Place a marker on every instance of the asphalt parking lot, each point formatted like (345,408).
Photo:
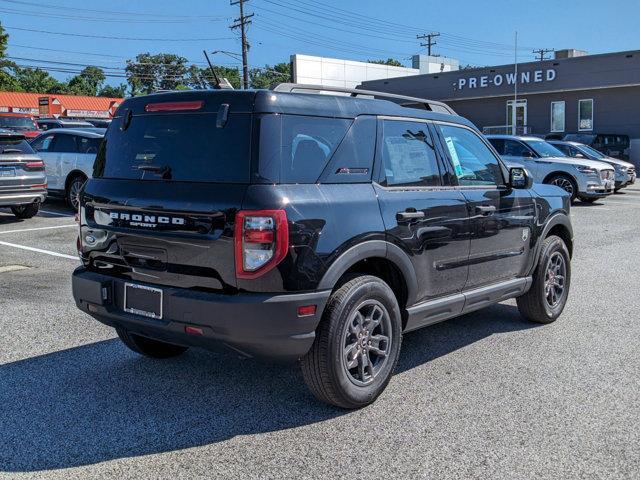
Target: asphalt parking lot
(487,395)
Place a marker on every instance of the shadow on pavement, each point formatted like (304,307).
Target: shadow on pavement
(100,402)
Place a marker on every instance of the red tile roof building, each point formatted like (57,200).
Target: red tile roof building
(54,105)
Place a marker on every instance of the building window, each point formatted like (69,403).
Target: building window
(557,116)
(585,114)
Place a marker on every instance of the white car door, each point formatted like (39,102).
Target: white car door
(44,148)
(87,151)
(67,150)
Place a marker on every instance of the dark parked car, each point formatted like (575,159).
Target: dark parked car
(49,123)
(314,227)
(612,145)
(99,122)
(23,183)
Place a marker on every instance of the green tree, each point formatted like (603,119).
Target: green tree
(88,82)
(269,76)
(114,92)
(8,81)
(148,73)
(198,78)
(37,81)
(389,61)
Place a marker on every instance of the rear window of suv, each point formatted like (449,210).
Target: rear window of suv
(15,146)
(177,147)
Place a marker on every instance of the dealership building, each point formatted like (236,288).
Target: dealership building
(573,93)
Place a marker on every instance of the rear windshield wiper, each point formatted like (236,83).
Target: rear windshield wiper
(164,171)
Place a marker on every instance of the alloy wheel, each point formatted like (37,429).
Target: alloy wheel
(74,192)
(565,184)
(554,284)
(367,342)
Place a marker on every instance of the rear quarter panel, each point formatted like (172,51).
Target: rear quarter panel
(324,221)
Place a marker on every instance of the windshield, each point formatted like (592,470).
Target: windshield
(544,149)
(17,123)
(591,151)
(177,147)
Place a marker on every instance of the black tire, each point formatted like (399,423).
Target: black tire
(73,187)
(325,367)
(149,347)
(535,305)
(565,182)
(589,200)
(25,211)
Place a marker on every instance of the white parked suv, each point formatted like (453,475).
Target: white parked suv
(68,155)
(585,179)
(625,171)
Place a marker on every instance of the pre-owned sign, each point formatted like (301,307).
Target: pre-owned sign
(499,79)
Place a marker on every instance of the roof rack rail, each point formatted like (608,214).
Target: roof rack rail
(402,100)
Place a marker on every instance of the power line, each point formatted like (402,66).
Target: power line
(109,12)
(120,38)
(429,37)
(241,22)
(542,52)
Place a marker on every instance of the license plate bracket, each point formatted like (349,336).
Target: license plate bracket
(7,172)
(143,300)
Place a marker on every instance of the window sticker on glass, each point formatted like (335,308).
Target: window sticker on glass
(454,156)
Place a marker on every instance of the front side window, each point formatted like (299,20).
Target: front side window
(585,114)
(43,143)
(515,149)
(473,161)
(408,155)
(557,116)
(544,149)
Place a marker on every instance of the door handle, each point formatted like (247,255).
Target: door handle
(485,209)
(409,215)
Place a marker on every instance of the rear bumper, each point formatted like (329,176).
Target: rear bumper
(22,198)
(255,325)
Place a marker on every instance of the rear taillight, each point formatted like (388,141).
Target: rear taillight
(34,164)
(261,241)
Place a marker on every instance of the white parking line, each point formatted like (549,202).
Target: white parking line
(38,228)
(56,213)
(39,250)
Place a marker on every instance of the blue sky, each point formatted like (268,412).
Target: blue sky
(476,32)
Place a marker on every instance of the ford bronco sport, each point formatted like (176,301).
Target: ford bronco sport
(295,226)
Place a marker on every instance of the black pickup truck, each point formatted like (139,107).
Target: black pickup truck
(290,225)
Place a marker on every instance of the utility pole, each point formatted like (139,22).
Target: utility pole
(429,37)
(542,52)
(242,23)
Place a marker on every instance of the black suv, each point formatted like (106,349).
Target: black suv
(318,228)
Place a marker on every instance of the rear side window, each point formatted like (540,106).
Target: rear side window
(15,146)
(408,155)
(43,143)
(179,147)
(88,145)
(296,148)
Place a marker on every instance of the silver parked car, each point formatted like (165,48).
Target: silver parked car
(68,154)
(585,179)
(23,184)
(625,171)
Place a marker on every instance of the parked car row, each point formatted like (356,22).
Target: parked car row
(582,171)
(57,162)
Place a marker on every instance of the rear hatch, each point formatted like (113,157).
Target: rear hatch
(168,180)
(21,170)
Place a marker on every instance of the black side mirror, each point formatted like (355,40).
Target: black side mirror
(527,154)
(520,178)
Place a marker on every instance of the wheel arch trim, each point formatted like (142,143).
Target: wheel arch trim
(371,249)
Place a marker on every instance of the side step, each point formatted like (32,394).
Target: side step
(434,311)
